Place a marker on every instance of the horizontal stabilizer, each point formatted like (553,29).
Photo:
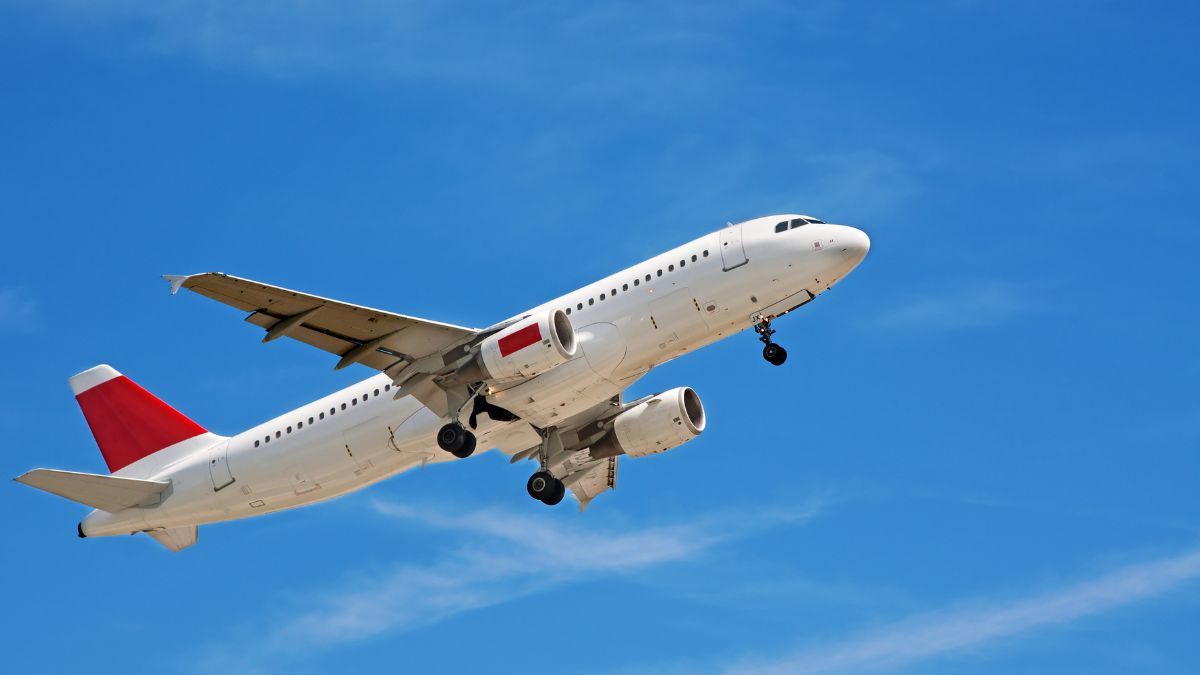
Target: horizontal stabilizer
(175,538)
(107,493)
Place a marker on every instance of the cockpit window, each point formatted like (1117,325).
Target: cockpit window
(815,221)
(781,226)
(798,222)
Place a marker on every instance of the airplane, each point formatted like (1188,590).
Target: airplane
(546,385)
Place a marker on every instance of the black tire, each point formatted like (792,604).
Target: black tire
(452,438)
(774,354)
(560,491)
(542,485)
(780,356)
(467,448)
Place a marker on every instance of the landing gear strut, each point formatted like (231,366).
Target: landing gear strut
(773,353)
(454,437)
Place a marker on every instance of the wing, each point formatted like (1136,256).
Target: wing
(357,334)
(592,478)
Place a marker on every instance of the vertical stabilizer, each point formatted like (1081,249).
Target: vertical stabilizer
(128,422)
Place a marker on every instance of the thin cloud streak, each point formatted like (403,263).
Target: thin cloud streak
(18,312)
(969,306)
(929,636)
(504,556)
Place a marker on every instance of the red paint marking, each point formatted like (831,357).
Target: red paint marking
(518,340)
(130,423)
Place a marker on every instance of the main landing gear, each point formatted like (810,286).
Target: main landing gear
(456,440)
(773,353)
(544,487)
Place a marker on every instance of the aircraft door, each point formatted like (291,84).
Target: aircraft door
(733,254)
(218,466)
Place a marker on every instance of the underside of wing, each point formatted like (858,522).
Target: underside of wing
(375,338)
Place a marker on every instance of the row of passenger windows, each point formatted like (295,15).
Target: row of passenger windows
(638,282)
(313,420)
(796,222)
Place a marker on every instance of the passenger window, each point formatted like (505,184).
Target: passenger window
(299,426)
(591,301)
(705,253)
(354,401)
(693,257)
(647,277)
(660,273)
(289,429)
(343,406)
(637,282)
(780,227)
(268,438)
(601,296)
(310,420)
(682,263)
(256,443)
(624,287)
(670,268)
(387,387)
(612,293)
(568,310)
(322,416)
(376,392)
(579,306)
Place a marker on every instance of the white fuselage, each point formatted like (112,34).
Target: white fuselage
(676,302)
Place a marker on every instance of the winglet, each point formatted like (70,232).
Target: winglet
(176,281)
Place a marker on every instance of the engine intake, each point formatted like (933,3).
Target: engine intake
(527,348)
(665,421)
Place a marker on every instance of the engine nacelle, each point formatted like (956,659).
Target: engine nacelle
(527,348)
(669,419)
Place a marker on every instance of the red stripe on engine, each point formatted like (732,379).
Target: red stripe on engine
(518,340)
(130,423)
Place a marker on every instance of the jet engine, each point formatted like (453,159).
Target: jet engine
(666,420)
(527,348)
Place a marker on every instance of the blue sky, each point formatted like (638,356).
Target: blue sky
(982,455)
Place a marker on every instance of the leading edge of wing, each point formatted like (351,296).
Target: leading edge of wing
(189,281)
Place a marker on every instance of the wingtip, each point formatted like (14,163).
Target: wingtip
(176,281)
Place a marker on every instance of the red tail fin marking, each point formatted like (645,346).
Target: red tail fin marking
(129,423)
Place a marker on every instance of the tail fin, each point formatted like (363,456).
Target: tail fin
(128,422)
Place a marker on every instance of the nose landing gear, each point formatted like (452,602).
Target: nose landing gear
(773,353)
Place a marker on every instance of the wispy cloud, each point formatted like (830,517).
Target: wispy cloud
(18,311)
(581,49)
(938,634)
(501,556)
(972,305)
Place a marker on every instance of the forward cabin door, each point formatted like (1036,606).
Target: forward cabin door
(732,253)
(218,465)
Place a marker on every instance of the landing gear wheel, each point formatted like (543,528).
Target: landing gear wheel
(774,354)
(456,440)
(558,495)
(545,488)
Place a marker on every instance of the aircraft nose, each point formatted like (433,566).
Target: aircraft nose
(854,244)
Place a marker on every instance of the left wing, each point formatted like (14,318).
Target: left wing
(375,338)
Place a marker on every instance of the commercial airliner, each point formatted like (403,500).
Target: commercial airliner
(545,386)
